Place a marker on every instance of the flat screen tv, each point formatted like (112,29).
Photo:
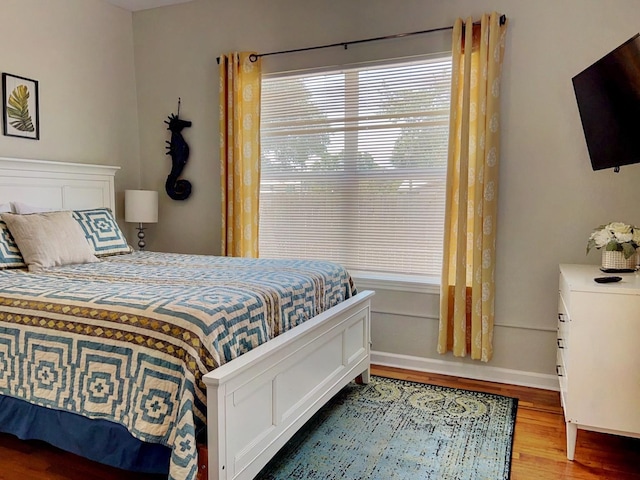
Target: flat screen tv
(608,96)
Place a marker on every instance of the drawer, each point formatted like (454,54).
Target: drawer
(565,291)
(563,330)
(563,311)
(562,338)
(561,371)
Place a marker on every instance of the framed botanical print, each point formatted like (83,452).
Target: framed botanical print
(20,107)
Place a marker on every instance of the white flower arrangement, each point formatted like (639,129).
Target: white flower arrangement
(615,236)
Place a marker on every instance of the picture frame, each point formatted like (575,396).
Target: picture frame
(20,107)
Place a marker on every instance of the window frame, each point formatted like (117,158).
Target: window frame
(379,279)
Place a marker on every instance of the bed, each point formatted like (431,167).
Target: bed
(171,348)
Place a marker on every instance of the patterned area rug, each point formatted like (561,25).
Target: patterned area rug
(393,429)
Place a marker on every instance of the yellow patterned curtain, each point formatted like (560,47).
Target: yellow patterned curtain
(468,270)
(240,153)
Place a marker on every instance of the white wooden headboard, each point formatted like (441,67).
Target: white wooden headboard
(57,185)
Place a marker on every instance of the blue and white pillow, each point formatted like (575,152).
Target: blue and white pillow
(102,232)
(10,256)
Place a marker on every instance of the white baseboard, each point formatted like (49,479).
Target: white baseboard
(465,370)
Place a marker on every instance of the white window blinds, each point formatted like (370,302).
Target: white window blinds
(354,165)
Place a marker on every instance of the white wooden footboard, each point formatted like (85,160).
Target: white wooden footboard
(259,400)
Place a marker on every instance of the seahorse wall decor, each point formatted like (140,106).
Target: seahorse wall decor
(177,188)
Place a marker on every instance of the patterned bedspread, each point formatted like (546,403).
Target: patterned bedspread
(130,338)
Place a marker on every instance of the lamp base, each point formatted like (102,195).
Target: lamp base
(141,242)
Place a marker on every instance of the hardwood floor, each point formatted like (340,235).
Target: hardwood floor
(34,460)
(538,450)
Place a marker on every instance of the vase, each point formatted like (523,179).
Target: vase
(615,260)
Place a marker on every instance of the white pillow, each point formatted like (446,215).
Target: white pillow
(5,207)
(49,239)
(25,209)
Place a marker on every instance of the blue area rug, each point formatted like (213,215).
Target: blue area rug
(394,429)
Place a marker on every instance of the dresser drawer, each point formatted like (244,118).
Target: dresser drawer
(563,310)
(563,337)
(565,291)
(563,331)
(561,371)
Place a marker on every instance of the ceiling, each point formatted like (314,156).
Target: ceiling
(135,5)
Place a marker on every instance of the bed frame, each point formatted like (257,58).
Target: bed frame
(256,402)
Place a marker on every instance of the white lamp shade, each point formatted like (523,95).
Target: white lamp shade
(141,206)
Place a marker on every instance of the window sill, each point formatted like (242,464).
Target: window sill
(389,281)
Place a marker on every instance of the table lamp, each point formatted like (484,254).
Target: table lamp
(141,206)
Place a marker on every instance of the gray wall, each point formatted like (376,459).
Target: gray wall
(81,53)
(109,78)
(550,199)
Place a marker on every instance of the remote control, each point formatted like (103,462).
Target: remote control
(607,279)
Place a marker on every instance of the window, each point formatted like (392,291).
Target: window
(354,165)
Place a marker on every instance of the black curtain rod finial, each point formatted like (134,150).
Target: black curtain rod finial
(252,58)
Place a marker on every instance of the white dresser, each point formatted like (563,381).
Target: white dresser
(598,359)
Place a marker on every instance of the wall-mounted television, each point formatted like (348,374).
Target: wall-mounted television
(608,96)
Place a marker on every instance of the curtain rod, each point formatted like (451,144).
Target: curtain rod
(253,57)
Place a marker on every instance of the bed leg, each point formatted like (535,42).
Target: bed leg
(364,378)
(203,461)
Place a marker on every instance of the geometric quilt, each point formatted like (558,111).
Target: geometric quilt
(129,339)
